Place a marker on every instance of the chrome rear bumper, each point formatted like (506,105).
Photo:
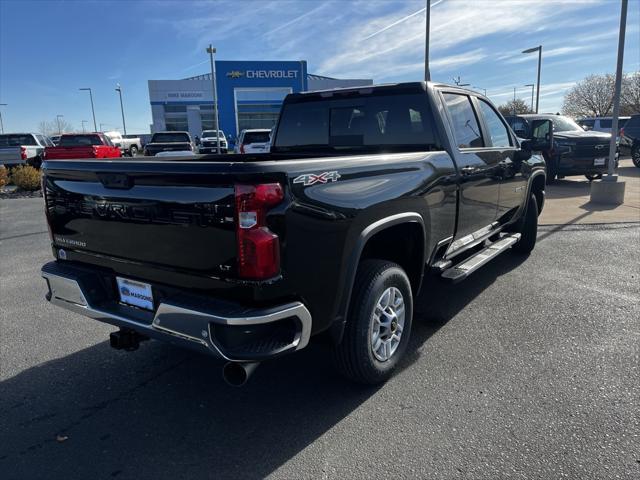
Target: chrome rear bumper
(181,320)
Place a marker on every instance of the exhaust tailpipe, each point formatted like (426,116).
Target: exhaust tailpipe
(236,374)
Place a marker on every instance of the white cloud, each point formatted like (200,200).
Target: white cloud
(376,44)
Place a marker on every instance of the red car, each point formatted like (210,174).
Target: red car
(82,145)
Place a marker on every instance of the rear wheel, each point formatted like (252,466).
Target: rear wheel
(635,155)
(593,176)
(528,229)
(379,324)
(133,150)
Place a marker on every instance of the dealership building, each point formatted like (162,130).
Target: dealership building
(250,94)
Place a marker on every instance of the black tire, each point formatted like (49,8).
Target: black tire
(593,176)
(635,155)
(133,150)
(354,356)
(529,228)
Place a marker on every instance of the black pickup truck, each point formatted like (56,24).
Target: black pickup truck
(574,150)
(168,142)
(365,191)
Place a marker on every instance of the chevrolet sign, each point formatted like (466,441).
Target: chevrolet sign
(263,74)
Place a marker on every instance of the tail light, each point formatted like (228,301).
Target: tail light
(242,148)
(23,153)
(258,247)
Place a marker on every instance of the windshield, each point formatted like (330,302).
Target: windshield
(564,124)
(170,137)
(212,133)
(16,140)
(256,137)
(366,122)
(79,140)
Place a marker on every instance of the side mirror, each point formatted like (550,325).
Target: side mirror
(541,135)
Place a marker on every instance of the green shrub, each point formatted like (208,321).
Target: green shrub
(26,177)
(4,176)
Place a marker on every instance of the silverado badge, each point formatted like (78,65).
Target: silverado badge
(310,178)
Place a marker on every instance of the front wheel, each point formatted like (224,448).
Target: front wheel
(379,323)
(528,229)
(635,155)
(593,176)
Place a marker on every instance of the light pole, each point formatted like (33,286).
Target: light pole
(539,50)
(483,89)
(119,90)
(1,124)
(211,51)
(107,124)
(531,85)
(93,112)
(83,122)
(427,73)
(58,117)
(616,94)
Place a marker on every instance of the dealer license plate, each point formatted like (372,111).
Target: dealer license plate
(599,161)
(134,293)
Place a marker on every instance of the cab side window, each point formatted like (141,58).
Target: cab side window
(465,125)
(497,129)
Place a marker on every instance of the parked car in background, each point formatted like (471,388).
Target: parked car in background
(329,235)
(55,139)
(167,142)
(209,142)
(83,145)
(630,138)
(19,148)
(574,152)
(600,124)
(254,140)
(128,145)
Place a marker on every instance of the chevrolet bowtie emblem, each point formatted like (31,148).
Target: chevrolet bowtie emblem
(235,74)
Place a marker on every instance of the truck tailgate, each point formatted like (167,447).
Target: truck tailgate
(63,153)
(173,218)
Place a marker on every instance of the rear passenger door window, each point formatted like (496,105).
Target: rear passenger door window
(465,124)
(498,133)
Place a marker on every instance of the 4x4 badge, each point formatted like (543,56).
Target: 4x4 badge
(310,178)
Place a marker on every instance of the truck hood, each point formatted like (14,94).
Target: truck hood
(577,135)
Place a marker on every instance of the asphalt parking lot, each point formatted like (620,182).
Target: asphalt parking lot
(530,369)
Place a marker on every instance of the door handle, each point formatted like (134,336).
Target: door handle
(468,170)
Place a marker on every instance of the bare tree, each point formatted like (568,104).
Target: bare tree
(592,97)
(514,107)
(630,94)
(54,128)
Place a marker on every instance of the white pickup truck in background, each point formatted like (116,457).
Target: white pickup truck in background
(19,148)
(128,146)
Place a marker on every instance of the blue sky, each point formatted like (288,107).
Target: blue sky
(48,49)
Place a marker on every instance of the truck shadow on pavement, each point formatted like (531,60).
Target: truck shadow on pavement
(162,412)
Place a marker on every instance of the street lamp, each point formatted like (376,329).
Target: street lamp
(119,90)
(483,89)
(106,124)
(1,124)
(93,112)
(531,85)
(58,117)
(456,80)
(83,122)
(539,50)
(211,50)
